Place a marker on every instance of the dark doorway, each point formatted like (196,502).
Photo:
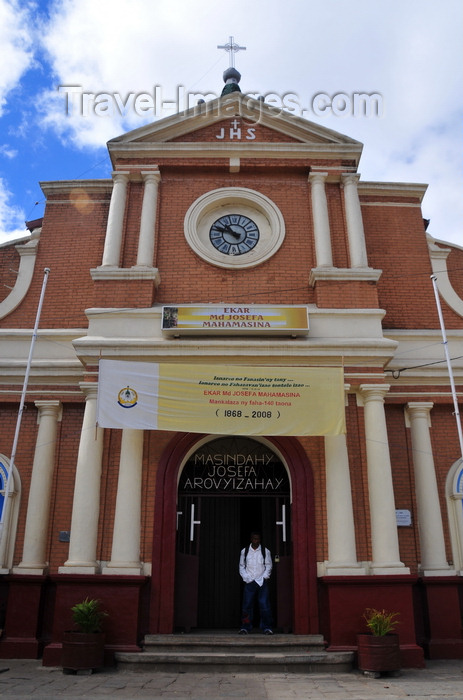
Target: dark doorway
(208,585)
(302,570)
(214,524)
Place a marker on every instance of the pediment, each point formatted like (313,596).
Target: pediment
(203,123)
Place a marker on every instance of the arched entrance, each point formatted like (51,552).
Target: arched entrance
(289,455)
(228,487)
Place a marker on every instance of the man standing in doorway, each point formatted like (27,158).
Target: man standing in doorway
(255,570)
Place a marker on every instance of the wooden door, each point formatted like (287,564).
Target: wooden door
(228,488)
(187,563)
(219,583)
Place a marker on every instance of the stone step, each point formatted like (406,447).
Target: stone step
(226,653)
(234,643)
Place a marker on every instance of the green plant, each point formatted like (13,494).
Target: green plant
(88,615)
(380,622)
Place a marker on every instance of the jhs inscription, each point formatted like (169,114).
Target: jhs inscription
(235,132)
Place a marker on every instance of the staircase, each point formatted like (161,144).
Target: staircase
(229,652)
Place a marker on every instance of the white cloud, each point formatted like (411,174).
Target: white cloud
(16,43)
(12,218)
(8,152)
(410,52)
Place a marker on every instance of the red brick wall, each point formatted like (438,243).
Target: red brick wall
(396,244)
(186,278)
(71,244)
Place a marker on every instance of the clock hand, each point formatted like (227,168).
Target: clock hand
(226,228)
(232,232)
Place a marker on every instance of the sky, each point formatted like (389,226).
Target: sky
(76,73)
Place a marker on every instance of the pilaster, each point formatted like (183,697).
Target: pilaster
(146,239)
(115,225)
(354,221)
(384,537)
(342,554)
(125,554)
(86,503)
(38,509)
(321,220)
(432,543)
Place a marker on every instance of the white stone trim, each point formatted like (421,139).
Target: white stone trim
(347,274)
(438,257)
(28,255)
(390,204)
(245,150)
(126,273)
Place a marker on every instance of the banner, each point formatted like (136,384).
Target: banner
(222,400)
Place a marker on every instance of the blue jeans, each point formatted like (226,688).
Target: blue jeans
(250,591)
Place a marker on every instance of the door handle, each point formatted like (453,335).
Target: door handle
(193,522)
(282,522)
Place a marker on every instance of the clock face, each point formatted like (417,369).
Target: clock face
(234,227)
(234,234)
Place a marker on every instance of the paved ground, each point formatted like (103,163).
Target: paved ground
(28,679)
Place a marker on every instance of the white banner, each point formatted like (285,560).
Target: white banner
(128,394)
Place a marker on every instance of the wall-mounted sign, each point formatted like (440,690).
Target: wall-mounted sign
(235,319)
(234,466)
(403,517)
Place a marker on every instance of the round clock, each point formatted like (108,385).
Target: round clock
(234,227)
(234,234)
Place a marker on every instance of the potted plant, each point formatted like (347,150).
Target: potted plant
(379,651)
(83,647)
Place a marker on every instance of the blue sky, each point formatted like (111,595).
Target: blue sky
(409,52)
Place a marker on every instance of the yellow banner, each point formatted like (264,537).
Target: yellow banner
(222,400)
(228,319)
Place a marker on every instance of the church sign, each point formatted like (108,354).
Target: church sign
(234,473)
(233,319)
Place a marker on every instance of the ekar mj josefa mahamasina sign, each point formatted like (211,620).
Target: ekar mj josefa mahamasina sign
(235,319)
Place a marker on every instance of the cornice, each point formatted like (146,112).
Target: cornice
(57,186)
(261,149)
(393,189)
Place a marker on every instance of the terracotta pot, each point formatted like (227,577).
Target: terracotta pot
(82,650)
(378,654)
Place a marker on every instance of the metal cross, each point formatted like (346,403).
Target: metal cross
(232,48)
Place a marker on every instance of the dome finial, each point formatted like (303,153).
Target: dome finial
(231,76)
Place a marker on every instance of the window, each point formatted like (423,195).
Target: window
(9,515)
(454,493)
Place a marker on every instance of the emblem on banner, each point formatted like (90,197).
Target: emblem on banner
(127,397)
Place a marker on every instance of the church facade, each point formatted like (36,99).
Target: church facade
(232,238)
